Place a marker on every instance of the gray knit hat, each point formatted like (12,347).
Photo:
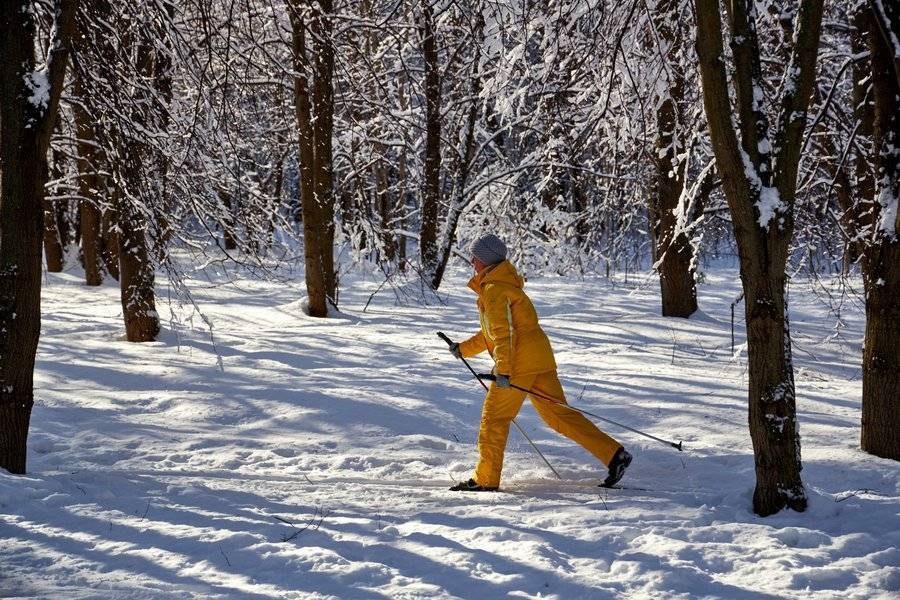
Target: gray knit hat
(489,249)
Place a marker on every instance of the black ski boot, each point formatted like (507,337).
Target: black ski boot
(471,486)
(620,461)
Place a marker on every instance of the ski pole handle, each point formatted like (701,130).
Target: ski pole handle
(444,337)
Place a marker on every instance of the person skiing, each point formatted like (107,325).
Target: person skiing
(522,357)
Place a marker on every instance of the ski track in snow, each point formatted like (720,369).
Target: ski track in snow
(314,463)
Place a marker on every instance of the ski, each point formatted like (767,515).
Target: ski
(623,487)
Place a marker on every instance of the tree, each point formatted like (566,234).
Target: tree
(131,58)
(89,187)
(431,174)
(29,98)
(758,165)
(53,242)
(462,167)
(880,433)
(674,253)
(314,106)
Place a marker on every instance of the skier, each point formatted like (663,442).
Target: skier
(522,357)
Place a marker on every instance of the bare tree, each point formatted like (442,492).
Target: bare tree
(674,253)
(314,106)
(29,98)
(462,166)
(136,171)
(758,165)
(881,247)
(53,243)
(89,188)
(431,182)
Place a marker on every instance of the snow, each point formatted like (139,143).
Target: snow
(39,84)
(758,97)
(769,204)
(313,463)
(887,198)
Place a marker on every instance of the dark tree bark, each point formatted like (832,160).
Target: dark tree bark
(95,57)
(402,183)
(673,253)
(162,83)
(323,129)
(55,232)
(314,108)
(124,108)
(137,275)
(759,176)
(228,224)
(857,214)
(88,188)
(431,186)
(53,247)
(109,237)
(27,116)
(881,250)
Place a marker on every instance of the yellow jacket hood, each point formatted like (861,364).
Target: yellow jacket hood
(503,272)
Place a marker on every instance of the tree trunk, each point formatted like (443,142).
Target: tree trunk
(323,127)
(431,186)
(228,224)
(162,203)
(55,222)
(88,189)
(881,256)
(25,127)
(674,254)
(381,165)
(676,272)
(53,247)
(773,422)
(109,235)
(402,185)
(137,277)
(97,140)
(313,105)
(315,283)
(137,274)
(759,178)
(858,214)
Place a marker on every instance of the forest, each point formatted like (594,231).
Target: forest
(664,161)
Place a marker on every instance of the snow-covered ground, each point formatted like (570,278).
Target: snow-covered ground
(287,457)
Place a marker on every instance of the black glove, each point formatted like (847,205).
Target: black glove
(502,381)
(454,350)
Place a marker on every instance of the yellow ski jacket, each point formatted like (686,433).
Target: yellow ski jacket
(509,324)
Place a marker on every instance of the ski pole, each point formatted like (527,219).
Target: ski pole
(492,377)
(519,427)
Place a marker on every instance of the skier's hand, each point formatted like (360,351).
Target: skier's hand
(502,381)
(454,350)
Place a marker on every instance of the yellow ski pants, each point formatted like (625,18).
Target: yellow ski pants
(501,405)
